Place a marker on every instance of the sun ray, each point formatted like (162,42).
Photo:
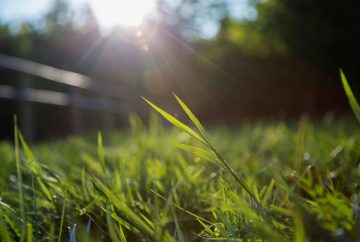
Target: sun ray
(122,12)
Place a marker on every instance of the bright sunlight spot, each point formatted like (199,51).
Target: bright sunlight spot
(128,13)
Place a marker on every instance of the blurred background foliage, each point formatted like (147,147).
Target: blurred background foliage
(231,60)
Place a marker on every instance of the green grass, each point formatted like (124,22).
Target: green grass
(139,185)
(275,181)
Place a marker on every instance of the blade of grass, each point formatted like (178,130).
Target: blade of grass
(179,233)
(88,225)
(267,195)
(299,229)
(111,228)
(190,114)
(133,217)
(175,121)
(4,233)
(29,232)
(35,205)
(242,181)
(201,137)
(19,178)
(196,151)
(201,130)
(206,228)
(180,208)
(350,95)
(51,233)
(62,216)
(36,169)
(83,184)
(122,234)
(72,233)
(101,151)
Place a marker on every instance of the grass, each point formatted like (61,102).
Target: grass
(275,181)
(149,189)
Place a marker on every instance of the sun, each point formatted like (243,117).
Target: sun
(128,13)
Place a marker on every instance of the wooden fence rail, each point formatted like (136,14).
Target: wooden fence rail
(60,76)
(107,99)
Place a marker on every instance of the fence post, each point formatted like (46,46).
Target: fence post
(75,114)
(107,121)
(26,111)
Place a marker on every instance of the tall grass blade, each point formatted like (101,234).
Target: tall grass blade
(299,229)
(88,226)
(19,179)
(196,151)
(62,217)
(268,191)
(29,232)
(206,227)
(181,208)
(203,140)
(101,150)
(51,233)
(190,114)
(35,206)
(122,234)
(176,122)
(72,233)
(4,233)
(83,184)
(133,217)
(179,233)
(111,228)
(36,169)
(350,95)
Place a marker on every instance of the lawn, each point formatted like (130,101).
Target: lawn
(264,181)
(141,185)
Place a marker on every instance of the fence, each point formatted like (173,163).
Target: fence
(100,97)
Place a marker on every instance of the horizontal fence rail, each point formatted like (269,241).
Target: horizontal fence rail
(60,76)
(83,93)
(60,99)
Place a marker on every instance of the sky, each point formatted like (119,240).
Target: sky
(21,10)
(14,12)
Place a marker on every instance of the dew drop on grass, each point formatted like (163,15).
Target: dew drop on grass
(191,168)
(333,174)
(13,178)
(182,137)
(290,173)
(306,156)
(336,151)
(212,175)
(355,199)
(196,159)
(339,232)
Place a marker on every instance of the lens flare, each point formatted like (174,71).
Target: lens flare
(122,12)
